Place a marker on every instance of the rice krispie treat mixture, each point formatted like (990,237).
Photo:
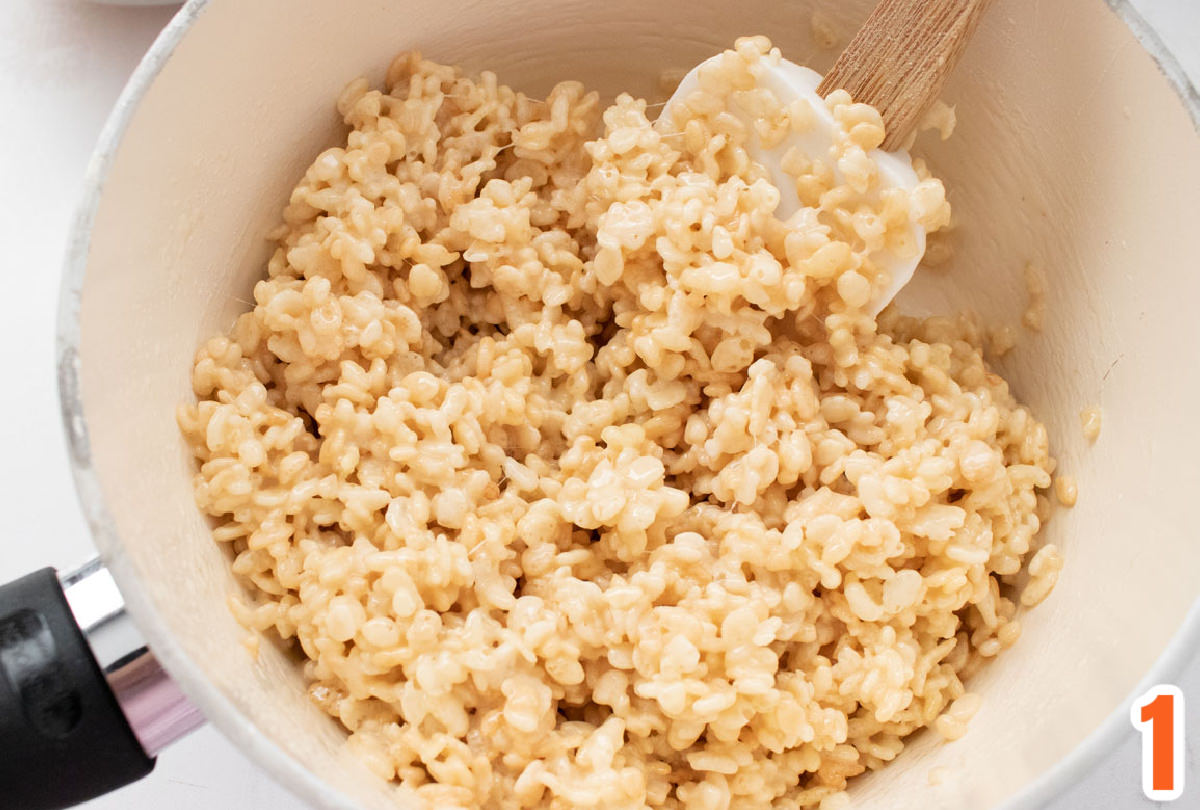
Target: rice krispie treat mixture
(583,480)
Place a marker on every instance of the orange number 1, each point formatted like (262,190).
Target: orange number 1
(1158,714)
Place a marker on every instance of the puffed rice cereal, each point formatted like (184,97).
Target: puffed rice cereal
(581,480)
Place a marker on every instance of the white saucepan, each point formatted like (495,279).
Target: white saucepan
(1076,150)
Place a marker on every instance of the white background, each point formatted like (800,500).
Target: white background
(62,64)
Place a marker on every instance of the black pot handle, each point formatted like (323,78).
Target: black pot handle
(64,737)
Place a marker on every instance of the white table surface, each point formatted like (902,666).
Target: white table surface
(62,64)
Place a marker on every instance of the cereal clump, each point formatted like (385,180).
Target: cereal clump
(583,480)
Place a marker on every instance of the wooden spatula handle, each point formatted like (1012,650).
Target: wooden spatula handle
(899,60)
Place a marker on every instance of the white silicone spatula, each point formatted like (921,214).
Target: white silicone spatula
(897,63)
